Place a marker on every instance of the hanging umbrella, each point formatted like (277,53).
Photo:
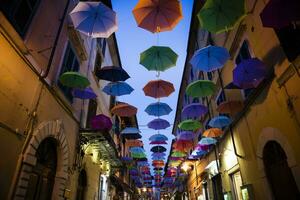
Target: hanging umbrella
(158,149)
(185,135)
(210,58)
(178,154)
(249,73)
(201,88)
(218,16)
(158,109)
(158,15)
(158,88)
(183,145)
(157,158)
(212,132)
(136,150)
(131,136)
(127,160)
(219,122)
(94,19)
(124,110)
(112,73)
(129,130)
(74,80)
(142,163)
(134,143)
(101,122)
(189,125)
(157,168)
(86,93)
(207,141)
(176,158)
(198,153)
(158,137)
(194,110)
(158,124)
(202,147)
(117,88)
(280,13)
(158,142)
(138,155)
(230,107)
(158,58)
(158,154)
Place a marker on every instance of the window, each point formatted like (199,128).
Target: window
(236,180)
(92,111)
(20,13)
(195,100)
(192,74)
(186,99)
(70,63)
(210,75)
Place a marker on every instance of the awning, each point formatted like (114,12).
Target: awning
(119,183)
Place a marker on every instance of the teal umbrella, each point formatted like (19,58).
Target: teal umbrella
(201,88)
(158,58)
(74,80)
(218,16)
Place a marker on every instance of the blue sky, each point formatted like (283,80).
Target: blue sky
(133,40)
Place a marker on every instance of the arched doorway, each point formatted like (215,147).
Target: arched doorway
(42,177)
(279,174)
(82,183)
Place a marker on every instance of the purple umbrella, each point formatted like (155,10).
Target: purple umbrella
(185,135)
(101,122)
(202,147)
(249,73)
(194,110)
(86,93)
(158,154)
(158,124)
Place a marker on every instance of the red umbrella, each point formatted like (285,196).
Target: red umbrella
(230,107)
(124,110)
(158,88)
(157,15)
(183,145)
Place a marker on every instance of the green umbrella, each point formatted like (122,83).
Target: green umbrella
(158,58)
(178,154)
(189,125)
(74,80)
(218,16)
(138,155)
(201,88)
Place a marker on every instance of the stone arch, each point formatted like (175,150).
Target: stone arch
(45,130)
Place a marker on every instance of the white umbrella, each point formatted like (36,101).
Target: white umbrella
(94,19)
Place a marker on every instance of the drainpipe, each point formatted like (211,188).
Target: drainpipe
(233,143)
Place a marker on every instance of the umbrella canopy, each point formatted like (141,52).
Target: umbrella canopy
(218,16)
(158,15)
(212,132)
(207,141)
(158,58)
(230,107)
(124,110)
(129,130)
(176,158)
(203,147)
(158,154)
(198,153)
(101,122)
(158,142)
(94,19)
(210,58)
(138,155)
(117,88)
(158,137)
(136,150)
(280,13)
(131,136)
(201,88)
(183,145)
(158,158)
(158,149)
(219,122)
(158,88)
(134,143)
(86,93)
(189,125)
(112,73)
(185,135)
(177,154)
(249,73)
(127,160)
(158,124)
(194,110)
(158,109)
(74,80)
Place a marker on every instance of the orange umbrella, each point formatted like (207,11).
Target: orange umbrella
(213,132)
(183,145)
(230,107)
(134,143)
(157,15)
(158,88)
(124,110)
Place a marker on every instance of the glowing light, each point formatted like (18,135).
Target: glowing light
(185,167)
(144,189)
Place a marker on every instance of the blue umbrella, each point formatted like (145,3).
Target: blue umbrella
(158,137)
(117,88)
(158,124)
(219,122)
(207,141)
(136,150)
(129,130)
(198,153)
(158,109)
(210,58)
(86,93)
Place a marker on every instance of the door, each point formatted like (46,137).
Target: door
(217,187)
(82,183)
(42,177)
(279,174)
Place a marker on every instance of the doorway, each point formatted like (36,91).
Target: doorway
(279,174)
(82,183)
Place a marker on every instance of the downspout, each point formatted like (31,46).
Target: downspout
(233,143)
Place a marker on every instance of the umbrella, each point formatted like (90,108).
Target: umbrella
(124,110)
(158,109)
(158,88)
(131,136)
(249,73)
(117,88)
(127,160)
(158,124)
(194,110)
(134,143)
(178,154)
(230,107)
(176,158)
(212,132)
(101,122)
(158,158)
(280,13)
(201,88)
(136,150)
(158,137)
(129,130)
(189,125)
(158,149)
(158,154)
(210,58)
(158,142)
(158,15)
(183,145)
(185,135)
(94,19)
(86,93)
(112,73)
(158,168)
(158,58)
(138,155)
(198,153)
(219,122)
(207,141)
(74,80)
(218,16)
(202,147)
